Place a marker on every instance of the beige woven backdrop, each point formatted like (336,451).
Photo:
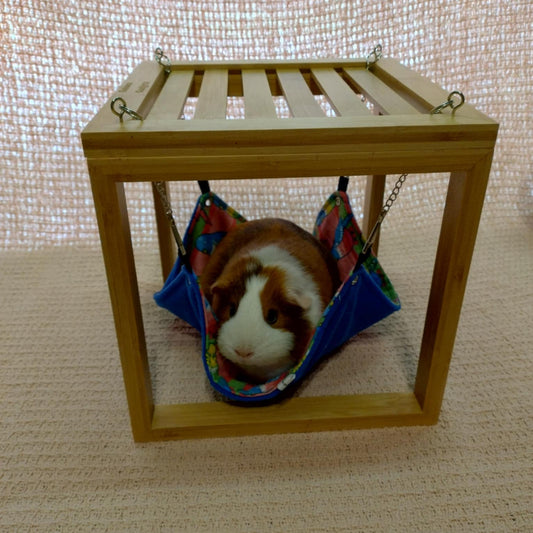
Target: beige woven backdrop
(67,461)
(61,61)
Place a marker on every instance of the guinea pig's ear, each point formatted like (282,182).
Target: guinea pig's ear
(220,299)
(211,290)
(218,291)
(300,298)
(218,287)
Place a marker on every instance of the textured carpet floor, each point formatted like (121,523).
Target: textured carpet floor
(68,462)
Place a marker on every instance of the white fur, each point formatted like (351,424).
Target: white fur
(299,279)
(247,331)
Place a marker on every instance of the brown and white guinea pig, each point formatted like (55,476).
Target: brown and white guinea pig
(268,282)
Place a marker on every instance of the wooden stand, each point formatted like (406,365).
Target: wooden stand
(399,135)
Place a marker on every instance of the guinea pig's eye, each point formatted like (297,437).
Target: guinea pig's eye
(272,316)
(232,309)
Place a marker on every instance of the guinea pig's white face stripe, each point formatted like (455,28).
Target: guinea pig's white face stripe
(267,349)
(298,278)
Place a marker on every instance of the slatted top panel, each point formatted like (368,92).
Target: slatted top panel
(284,91)
(272,96)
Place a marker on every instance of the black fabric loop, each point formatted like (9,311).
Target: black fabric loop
(204,186)
(343,183)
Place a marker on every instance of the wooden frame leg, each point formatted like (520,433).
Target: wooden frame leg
(115,236)
(462,212)
(167,245)
(375,190)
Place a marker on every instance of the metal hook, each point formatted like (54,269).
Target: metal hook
(450,103)
(374,56)
(162,59)
(123,109)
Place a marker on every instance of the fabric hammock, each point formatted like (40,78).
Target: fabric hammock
(365,296)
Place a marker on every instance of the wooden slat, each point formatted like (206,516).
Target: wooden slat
(219,419)
(258,102)
(212,99)
(380,94)
(173,96)
(342,98)
(139,91)
(299,97)
(269,64)
(427,93)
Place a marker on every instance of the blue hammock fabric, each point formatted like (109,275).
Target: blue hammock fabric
(365,296)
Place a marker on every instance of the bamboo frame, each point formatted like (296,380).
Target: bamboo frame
(261,145)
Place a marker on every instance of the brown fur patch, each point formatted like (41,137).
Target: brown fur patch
(291,316)
(229,288)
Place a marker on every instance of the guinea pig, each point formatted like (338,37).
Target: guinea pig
(268,282)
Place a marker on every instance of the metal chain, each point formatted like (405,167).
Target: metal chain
(450,102)
(385,209)
(159,186)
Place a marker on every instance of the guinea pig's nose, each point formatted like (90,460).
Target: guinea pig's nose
(244,352)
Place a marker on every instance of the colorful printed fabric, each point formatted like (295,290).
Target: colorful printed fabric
(365,296)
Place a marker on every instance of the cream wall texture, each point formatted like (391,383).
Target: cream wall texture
(60,61)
